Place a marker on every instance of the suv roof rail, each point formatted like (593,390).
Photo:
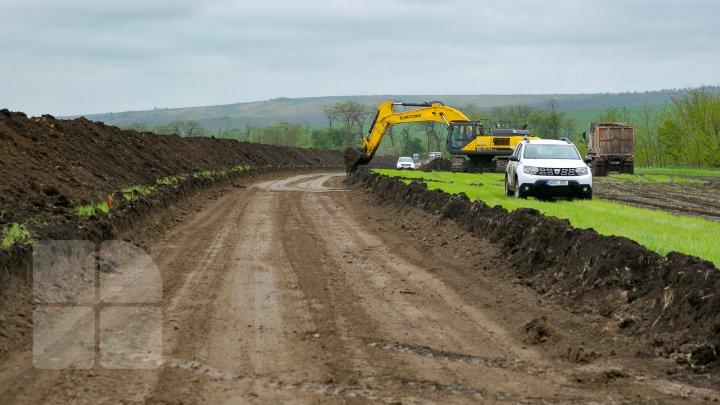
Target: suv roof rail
(565,139)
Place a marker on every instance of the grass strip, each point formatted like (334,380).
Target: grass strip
(657,230)
(678,171)
(20,233)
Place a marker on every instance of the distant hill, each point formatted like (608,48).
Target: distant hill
(309,109)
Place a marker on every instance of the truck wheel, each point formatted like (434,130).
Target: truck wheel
(507,186)
(600,170)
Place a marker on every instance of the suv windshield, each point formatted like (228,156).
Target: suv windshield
(536,151)
(405,160)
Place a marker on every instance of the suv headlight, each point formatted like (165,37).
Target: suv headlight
(530,169)
(581,171)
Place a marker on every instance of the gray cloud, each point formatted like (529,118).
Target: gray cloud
(85,56)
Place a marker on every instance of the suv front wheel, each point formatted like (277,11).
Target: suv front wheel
(519,193)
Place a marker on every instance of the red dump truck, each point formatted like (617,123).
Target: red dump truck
(612,147)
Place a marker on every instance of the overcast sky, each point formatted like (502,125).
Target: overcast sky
(89,56)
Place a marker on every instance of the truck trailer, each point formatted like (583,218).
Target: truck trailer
(612,147)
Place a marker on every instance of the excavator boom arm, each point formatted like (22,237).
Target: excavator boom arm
(386,116)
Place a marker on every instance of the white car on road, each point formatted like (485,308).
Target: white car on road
(405,163)
(548,168)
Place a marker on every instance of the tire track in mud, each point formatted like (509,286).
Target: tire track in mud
(393,311)
(196,296)
(338,350)
(694,199)
(183,259)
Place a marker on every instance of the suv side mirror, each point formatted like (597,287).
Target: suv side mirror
(513,158)
(588,159)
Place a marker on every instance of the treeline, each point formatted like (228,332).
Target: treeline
(683,133)
(686,132)
(348,121)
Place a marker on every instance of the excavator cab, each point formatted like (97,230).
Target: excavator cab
(462,133)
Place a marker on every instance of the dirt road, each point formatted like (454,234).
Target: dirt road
(299,290)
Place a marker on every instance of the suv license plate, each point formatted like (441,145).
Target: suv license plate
(557,182)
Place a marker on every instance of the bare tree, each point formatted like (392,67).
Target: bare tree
(182,128)
(389,133)
(353,115)
(515,116)
(331,113)
(498,117)
(249,129)
(555,118)
(472,111)
(192,128)
(431,134)
(518,115)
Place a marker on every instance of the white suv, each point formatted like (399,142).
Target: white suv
(548,168)
(405,163)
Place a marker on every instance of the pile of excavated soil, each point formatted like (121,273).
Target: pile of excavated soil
(439,164)
(671,301)
(51,165)
(382,162)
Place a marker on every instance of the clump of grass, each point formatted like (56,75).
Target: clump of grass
(241,168)
(142,190)
(132,193)
(102,207)
(673,171)
(87,210)
(166,181)
(91,209)
(16,233)
(205,174)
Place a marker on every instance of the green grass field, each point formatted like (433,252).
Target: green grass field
(656,230)
(665,171)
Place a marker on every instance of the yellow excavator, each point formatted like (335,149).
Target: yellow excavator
(465,138)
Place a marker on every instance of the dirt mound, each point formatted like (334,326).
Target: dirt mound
(439,164)
(50,165)
(673,301)
(537,331)
(382,162)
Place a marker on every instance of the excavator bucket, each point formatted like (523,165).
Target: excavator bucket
(354,158)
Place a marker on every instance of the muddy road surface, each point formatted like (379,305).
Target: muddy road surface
(299,290)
